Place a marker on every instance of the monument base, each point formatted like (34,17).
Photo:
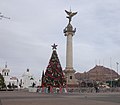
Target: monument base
(70,77)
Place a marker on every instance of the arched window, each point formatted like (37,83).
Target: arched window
(5,73)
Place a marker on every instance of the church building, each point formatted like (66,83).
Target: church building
(9,80)
(27,80)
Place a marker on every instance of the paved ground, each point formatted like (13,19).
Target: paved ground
(26,98)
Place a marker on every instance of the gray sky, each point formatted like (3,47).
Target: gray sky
(26,39)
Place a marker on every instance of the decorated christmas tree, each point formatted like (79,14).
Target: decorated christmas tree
(53,76)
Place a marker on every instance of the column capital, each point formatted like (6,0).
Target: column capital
(69,30)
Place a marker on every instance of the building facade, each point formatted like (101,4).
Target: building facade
(27,80)
(9,80)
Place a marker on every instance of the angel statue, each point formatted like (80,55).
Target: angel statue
(70,15)
(2,16)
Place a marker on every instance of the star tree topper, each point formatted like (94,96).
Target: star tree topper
(54,46)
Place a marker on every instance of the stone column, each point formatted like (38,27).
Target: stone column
(69,71)
(69,52)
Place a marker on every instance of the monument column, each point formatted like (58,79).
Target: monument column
(69,52)
(69,32)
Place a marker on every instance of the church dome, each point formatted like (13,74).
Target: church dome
(5,69)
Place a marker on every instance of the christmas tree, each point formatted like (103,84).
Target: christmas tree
(53,76)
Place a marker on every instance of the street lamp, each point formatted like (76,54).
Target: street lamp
(117,68)
(111,71)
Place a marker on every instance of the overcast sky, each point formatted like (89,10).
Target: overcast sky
(26,39)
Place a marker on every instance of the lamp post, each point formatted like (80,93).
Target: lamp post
(111,71)
(117,68)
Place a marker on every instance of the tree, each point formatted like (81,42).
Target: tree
(42,80)
(2,82)
(53,76)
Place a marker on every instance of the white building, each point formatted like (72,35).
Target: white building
(27,80)
(8,79)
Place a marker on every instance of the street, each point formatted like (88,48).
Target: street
(26,98)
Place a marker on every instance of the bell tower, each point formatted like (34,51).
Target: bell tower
(5,71)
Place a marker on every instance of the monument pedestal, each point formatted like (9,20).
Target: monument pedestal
(70,77)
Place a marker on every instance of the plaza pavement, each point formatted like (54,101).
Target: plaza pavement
(26,98)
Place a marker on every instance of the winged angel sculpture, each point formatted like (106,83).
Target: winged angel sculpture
(70,15)
(2,16)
